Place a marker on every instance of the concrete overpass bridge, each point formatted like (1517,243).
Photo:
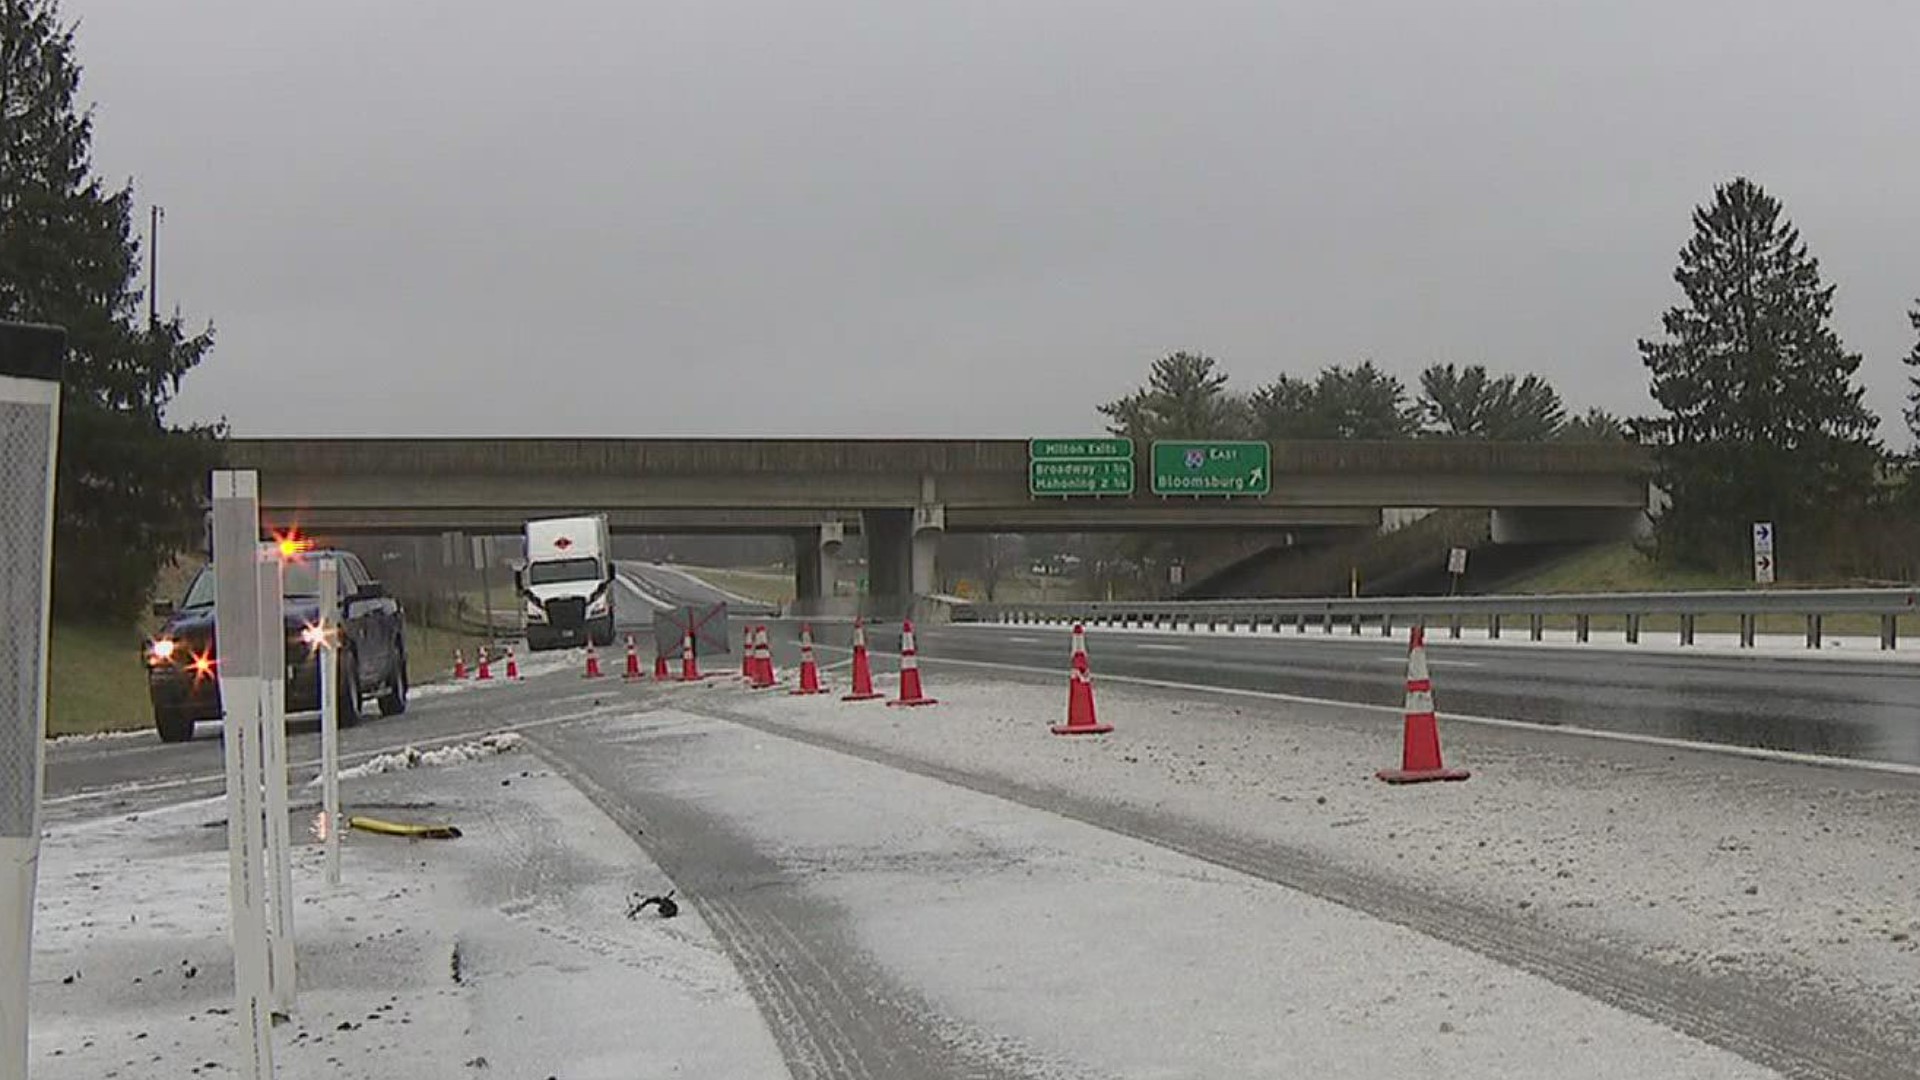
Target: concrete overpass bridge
(901,494)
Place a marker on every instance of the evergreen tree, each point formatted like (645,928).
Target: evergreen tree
(1358,402)
(1912,360)
(1595,425)
(1468,403)
(1186,397)
(1763,418)
(129,486)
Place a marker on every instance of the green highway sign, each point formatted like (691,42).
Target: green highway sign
(1212,468)
(1078,449)
(1062,467)
(1100,476)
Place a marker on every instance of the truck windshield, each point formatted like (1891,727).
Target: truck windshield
(548,573)
(301,580)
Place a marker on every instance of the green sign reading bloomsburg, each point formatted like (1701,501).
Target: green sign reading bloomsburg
(1058,467)
(1212,468)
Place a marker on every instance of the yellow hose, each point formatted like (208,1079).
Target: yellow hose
(394,828)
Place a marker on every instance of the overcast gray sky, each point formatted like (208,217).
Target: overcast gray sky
(907,217)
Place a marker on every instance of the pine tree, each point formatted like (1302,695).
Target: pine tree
(1358,402)
(1468,403)
(1912,360)
(1595,425)
(129,485)
(1186,397)
(1763,419)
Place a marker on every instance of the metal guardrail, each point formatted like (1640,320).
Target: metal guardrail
(1815,605)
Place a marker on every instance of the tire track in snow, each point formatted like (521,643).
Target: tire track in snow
(834,1013)
(1800,1036)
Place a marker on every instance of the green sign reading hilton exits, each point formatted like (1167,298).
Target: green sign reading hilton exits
(1060,467)
(1212,468)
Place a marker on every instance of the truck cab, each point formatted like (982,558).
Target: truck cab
(566,583)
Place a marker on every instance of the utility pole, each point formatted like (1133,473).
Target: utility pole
(154,217)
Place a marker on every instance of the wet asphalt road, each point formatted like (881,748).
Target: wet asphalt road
(1865,710)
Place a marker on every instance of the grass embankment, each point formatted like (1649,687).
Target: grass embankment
(1624,568)
(97,683)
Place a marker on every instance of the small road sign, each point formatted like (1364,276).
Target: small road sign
(1457,561)
(1060,467)
(1763,564)
(1212,468)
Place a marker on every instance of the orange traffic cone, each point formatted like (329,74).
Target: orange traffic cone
(486,667)
(459,666)
(1080,718)
(910,690)
(660,672)
(633,662)
(689,662)
(513,666)
(763,676)
(862,666)
(749,660)
(809,669)
(593,663)
(1420,754)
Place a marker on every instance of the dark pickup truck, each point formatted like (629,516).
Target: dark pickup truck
(182,673)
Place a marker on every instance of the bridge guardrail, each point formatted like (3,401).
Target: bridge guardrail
(1815,605)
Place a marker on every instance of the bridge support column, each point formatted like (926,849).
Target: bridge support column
(815,561)
(889,535)
(929,525)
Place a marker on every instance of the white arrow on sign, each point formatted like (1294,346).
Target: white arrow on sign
(1257,474)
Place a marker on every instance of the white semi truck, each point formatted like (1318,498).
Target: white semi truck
(566,586)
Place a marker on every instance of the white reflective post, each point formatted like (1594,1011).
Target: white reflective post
(30,361)
(273,751)
(243,692)
(330,716)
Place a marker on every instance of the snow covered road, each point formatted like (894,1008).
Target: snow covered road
(1218,888)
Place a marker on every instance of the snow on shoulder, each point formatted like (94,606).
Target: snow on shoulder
(415,758)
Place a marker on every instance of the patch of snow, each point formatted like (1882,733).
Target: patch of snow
(103,736)
(1798,872)
(1102,955)
(438,757)
(504,953)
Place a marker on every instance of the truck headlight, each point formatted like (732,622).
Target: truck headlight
(598,607)
(536,613)
(160,651)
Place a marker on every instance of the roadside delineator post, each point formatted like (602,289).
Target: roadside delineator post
(1420,752)
(593,662)
(459,666)
(862,666)
(633,661)
(911,692)
(32,363)
(809,667)
(485,673)
(1080,715)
